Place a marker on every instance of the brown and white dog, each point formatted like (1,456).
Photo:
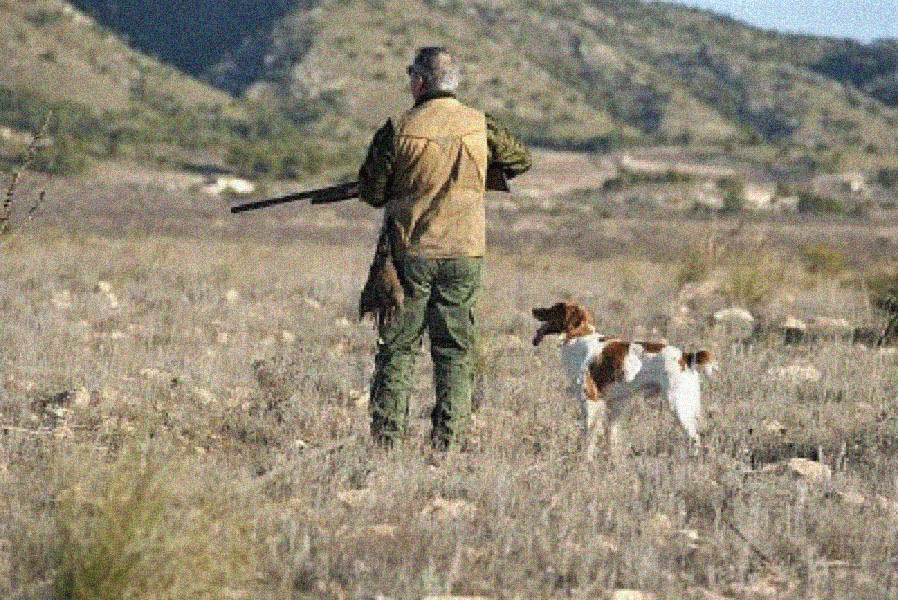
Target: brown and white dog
(605,374)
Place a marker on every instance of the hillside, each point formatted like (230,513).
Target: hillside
(106,99)
(103,101)
(592,75)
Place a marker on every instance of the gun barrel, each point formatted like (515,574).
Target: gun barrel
(334,193)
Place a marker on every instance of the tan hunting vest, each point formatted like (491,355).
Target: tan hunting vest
(436,202)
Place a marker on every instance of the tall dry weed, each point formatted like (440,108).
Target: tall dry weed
(150,524)
(31,153)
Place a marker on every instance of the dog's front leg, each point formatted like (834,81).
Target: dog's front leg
(618,399)
(686,403)
(594,426)
(592,418)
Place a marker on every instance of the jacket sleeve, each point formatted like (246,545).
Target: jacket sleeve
(506,150)
(377,170)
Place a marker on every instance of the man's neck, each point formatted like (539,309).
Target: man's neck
(432,95)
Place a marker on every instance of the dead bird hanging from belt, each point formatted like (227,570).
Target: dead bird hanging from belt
(382,296)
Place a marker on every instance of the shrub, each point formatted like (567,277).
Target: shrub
(812,203)
(820,260)
(733,193)
(148,525)
(887,177)
(42,17)
(694,267)
(292,157)
(752,276)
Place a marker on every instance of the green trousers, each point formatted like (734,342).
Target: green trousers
(440,295)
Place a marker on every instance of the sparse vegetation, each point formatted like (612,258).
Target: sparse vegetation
(186,417)
(183,408)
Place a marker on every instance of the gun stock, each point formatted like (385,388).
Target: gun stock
(334,193)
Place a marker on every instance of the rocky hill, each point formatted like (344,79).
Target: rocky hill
(591,74)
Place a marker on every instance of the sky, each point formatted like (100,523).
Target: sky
(862,20)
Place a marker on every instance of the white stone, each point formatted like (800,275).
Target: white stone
(111,300)
(802,468)
(204,396)
(359,398)
(82,398)
(797,372)
(850,497)
(230,185)
(734,314)
(440,509)
(355,498)
(775,427)
(791,322)
(631,595)
(62,299)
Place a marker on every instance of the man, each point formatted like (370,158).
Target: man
(428,170)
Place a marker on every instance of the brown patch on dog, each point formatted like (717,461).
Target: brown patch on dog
(694,359)
(652,347)
(608,366)
(590,389)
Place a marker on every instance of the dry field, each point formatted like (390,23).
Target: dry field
(183,414)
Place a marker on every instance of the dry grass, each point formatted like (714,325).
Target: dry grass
(185,417)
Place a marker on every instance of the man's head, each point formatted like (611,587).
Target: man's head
(433,70)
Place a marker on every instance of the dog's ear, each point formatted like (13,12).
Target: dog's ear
(700,358)
(576,319)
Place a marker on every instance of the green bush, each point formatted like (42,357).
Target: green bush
(43,17)
(812,203)
(752,279)
(65,156)
(887,177)
(820,260)
(733,193)
(292,157)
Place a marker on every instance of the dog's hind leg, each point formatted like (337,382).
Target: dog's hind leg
(687,407)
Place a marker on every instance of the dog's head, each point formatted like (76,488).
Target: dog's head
(564,317)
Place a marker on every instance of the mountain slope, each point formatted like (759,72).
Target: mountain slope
(588,73)
(104,99)
(323,74)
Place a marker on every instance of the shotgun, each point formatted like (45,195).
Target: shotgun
(495,181)
(334,193)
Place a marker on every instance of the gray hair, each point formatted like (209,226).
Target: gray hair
(437,68)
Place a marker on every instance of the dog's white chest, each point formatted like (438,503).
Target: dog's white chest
(577,353)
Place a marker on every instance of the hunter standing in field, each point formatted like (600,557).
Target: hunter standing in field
(428,170)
